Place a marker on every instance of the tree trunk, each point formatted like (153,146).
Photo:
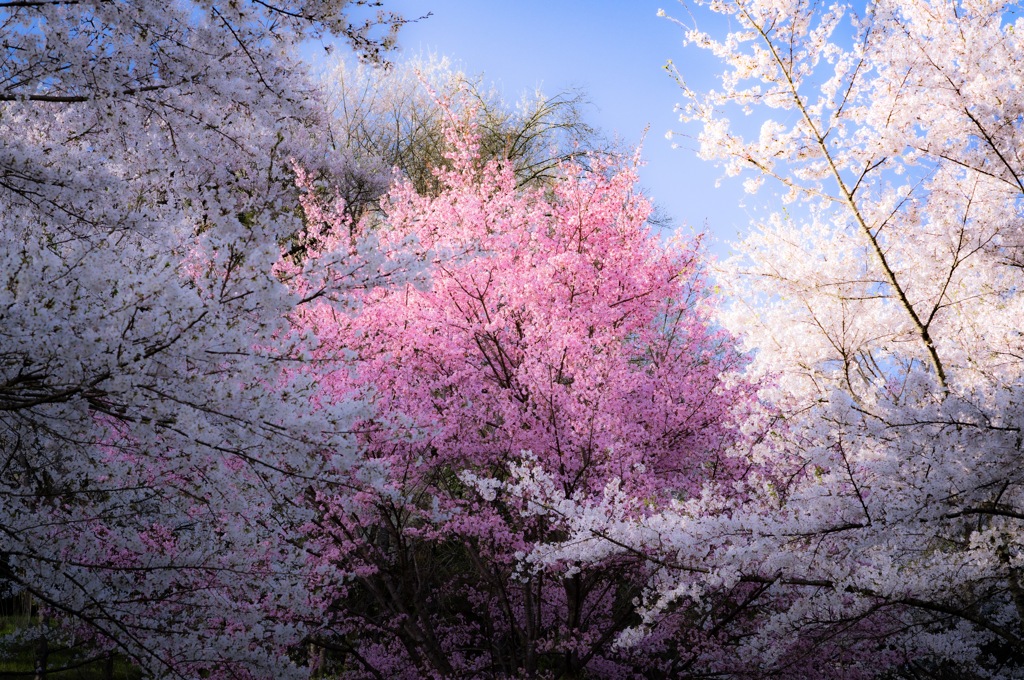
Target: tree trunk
(42,654)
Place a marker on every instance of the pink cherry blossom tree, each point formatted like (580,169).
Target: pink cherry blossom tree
(883,311)
(556,333)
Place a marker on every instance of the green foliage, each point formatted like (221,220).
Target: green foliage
(64,662)
(394,118)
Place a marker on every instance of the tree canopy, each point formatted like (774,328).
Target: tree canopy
(378,376)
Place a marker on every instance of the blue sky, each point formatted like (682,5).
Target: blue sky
(615,51)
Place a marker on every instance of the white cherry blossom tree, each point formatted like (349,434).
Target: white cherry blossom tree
(882,307)
(155,446)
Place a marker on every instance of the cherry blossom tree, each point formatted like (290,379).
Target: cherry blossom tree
(883,310)
(557,334)
(154,449)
